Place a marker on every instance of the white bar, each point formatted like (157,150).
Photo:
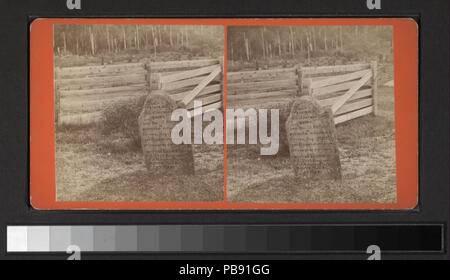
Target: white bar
(16,237)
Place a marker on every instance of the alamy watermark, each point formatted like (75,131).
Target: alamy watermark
(237,120)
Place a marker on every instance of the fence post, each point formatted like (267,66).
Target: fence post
(299,71)
(57,96)
(310,90)
(222,78)
(148,75)
(374,69)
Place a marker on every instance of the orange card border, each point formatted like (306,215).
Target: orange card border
(42,136)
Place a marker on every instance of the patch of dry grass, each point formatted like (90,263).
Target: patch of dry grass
(367,150)
(93,167)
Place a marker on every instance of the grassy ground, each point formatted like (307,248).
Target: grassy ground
(92,167)
(367,150)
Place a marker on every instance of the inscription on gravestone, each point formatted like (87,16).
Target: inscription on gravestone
(161,155)
(312,141)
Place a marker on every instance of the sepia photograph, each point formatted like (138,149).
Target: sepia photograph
(117,87)
(317,111)
(140,113)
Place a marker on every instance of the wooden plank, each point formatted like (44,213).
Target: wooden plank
(334,69)
(105,85)
(307,81)
(299,81)
(148,75)
(134,78)
(374,68)
(357,85)
(260,95)
(206,100)
(238,75)
(338,79)
(156,66)
(249,76)
(79,70)
(187,74)
(80,119)
(105,96)
(57,97)
(262,86)
(189,97)
(256,85)
(161,66)
(337,93)
(104,74)
(263,103)
(185,83)
(359,94)
(222,76)
(105,90)
(353,115)
(78,106)
(214,106)
(164,74)
(278,76)
(353,106)
(245,91)
(318,92)
(205,91)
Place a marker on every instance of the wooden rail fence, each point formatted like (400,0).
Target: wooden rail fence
(201,84)
(349,90)
(82,93)
(254,88)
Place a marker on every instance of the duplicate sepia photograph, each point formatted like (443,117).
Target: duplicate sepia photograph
(330,94)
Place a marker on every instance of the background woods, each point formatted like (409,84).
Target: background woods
(311,45)
(114,41)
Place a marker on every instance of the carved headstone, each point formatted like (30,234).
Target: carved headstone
(311,134)
(162,156)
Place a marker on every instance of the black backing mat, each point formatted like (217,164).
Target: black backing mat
(433,20)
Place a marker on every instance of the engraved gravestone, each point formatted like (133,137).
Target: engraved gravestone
(161,155)
(313,148)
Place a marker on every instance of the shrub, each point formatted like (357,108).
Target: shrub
(122,117)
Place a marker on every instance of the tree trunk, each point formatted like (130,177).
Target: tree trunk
(314,39)
(92,41)
(65,44)
(155,41)
(124,39)
(232,54)
(292,41)
(279,44)
(186,36)
(263,46)
(108,41)
(247,49)
(146,39)
(301,44)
